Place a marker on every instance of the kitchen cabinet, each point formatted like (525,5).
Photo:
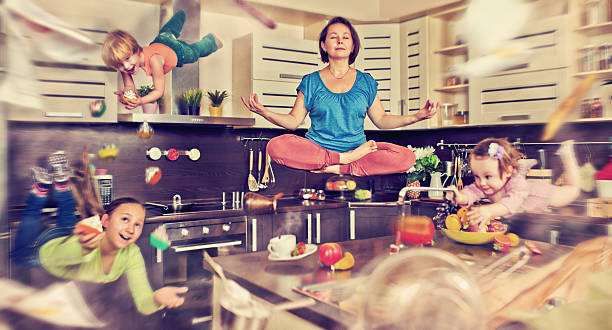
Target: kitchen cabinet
(259,231)
(380,57)
(367,222)
(67,88)
(446,49)
(272,67)
(589,40)
(313,227)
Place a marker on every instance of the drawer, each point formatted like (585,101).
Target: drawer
(521,97)
(284,59)
(277,96)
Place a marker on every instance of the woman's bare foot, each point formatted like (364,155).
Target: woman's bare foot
(358,153)
(334,169)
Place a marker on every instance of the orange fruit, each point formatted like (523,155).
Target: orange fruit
(452,222)
(347,262)
(514,239)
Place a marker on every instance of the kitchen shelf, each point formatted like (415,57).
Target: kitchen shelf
(453,50)
(604,74)
(451,14)
(453,89)
(184,119)
(596,29)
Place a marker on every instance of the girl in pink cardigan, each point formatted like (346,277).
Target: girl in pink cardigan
(500,177)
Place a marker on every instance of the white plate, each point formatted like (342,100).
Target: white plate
(310,249)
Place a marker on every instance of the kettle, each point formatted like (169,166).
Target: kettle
(436,182)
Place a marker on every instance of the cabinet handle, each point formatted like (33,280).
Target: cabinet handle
(352,224)
(64,114)
(318,216)
(401,104)
(289,76)
(309,233)
(515,117)
(554,237)
(254,235)
(159,255)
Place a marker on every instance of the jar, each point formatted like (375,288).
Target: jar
(448,113)
(585,108)
(596,108)
(461,117)
(591,11)
(605,57)
(453,81)
(588,61)
(320,195)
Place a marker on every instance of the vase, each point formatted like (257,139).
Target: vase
(413,194)
(436,182)
(149,108)
(215,111)
(194,110)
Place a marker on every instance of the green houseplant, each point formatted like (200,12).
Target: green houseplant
(216,102)
(192,99)
(427,162)
(143,91)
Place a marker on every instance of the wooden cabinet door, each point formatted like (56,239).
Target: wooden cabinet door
(380,57)
(295,223)
(330,225)
(277,96)
(367,222)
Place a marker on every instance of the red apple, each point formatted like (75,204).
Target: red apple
(330,253)
(415,229)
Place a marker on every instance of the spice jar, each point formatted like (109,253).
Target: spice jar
(605,57)
(596,108)
(461,117)
(585,108)
(448,113)
(452,81)
(588,61)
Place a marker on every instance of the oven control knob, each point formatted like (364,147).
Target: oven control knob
(226,227)
(205,230)
(184,232)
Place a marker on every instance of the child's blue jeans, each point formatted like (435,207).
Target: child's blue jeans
(29,237)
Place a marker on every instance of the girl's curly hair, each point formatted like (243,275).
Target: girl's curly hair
(509,158)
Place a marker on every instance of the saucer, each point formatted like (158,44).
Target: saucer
(310,249)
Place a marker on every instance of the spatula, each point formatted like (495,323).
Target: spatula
(266,176)
(251,181)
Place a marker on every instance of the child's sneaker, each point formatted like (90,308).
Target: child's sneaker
(42,180)
(58,162)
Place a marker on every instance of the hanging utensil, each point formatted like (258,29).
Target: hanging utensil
(266,175)
(252,183)
(272,179)
(459,182)
(260,185)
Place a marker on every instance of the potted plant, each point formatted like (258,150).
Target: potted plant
(427,163)
(192,99)
(143,91)
(216,100)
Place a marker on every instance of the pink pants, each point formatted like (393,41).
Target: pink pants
(300,153)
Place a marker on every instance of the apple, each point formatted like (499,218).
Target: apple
(330,253)
(415,229)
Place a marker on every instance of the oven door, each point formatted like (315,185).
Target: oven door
(183,263)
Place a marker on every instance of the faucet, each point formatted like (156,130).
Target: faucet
(402,193)
(176,202)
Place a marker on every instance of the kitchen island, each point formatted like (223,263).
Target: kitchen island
(276,281)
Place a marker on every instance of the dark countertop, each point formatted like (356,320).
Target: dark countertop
(275,281)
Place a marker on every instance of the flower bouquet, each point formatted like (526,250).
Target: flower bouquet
(427,162)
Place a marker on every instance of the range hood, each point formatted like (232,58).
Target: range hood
(184,119)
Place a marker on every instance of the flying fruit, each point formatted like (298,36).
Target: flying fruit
(415,229)
(330,253)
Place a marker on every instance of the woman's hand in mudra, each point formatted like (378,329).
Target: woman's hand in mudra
(428,111)
(252,103)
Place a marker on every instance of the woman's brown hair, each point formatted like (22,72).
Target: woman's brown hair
(509,157)
(354,36)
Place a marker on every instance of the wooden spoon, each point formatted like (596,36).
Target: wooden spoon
(251,181)
(266,175)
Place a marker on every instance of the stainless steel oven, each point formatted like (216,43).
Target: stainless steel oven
(182,264)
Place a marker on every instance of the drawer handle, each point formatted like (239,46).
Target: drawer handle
(515,117)
(64,114)
(204,246)
(289,76)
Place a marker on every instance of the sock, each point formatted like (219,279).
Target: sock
(62,186)
(39,190)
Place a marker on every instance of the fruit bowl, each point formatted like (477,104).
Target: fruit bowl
(339,184)
(472,238)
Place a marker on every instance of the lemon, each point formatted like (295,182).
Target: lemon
(452,222)
(350,184)
(347,262)
(514,239)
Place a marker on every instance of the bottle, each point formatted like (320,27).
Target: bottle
(585,108)
(596,108)
(104,182)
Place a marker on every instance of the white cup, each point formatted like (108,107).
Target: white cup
(282,246)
